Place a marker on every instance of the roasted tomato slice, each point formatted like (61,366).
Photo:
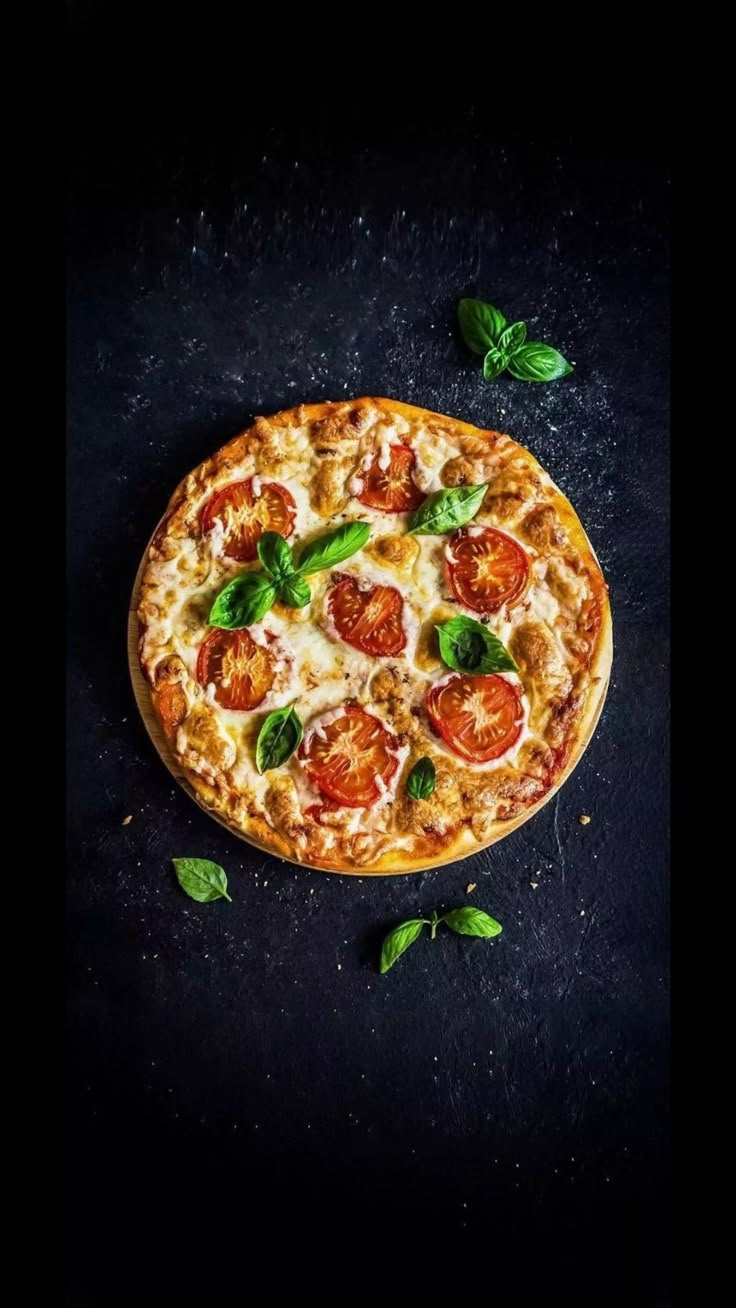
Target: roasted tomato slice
(246,509)
(486,568)
(350,756)
(391,489)
(479,717)
(367,617)
(242,671)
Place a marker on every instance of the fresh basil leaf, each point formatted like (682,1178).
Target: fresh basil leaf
(538,363)
(399,940)
(245,599)
(480,324)
(468,646)
(335,547)
(421,780)
(295,592)
(201,879)
(513,336)
(472,922)
(275,555)
(279,736)
(446,510)
(494,364)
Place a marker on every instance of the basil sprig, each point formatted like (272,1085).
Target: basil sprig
(335,547)
(422,779)
(279,736)
(201,879)
(446,510)
(245,600)
(466,921)
(505,347)
(468,646)
(471,921)
(248,597)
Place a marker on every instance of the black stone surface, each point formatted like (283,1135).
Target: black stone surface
(244,1065)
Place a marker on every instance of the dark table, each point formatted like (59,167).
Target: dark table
(242,1069)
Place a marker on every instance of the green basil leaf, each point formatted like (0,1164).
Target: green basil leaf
(538,363)
(202,880)
(494,364)
(472,922)
(245,600)
(510,339)
(275,555)
(398,941)
(421,780)
(468,646)
(446,510)
(480,324)
(279,736)
(295,592)
(335,547)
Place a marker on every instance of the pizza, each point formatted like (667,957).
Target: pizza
(388,594)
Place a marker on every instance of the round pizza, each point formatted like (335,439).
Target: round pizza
(376,638)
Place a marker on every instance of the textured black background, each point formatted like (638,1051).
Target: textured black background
(241,1071)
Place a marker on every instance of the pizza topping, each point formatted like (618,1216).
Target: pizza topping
(350,756)
(279,736)
(480,718)
(367,617)
(241,671)
(445,510)
(387,483)
(486,568)
(468,646)
(244,510)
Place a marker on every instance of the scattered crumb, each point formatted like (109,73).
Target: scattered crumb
(533,884)
(584,820)
(470,888)
(128,819)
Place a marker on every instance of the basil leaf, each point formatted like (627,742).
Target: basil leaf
(279,736)
(398,941)
(494,364)
(335,547)
(539,363)
(275,555)
(472,922)
(421,780)
(201,879)
(245,599)
(295,592)
(445,510)
(468,646)
(510,339)
(480,324)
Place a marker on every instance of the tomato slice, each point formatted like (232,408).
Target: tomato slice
(367,617)
(392,489)
(246,512)
(350,757)
(480,718)
(486,568)
(242,671)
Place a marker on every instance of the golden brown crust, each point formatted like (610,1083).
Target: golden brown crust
(560,636)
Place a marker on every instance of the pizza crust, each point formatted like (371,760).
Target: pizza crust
(561,639)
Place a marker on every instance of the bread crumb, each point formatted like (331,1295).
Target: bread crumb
(584,820)
(128,819)
(533,884)
(470,888)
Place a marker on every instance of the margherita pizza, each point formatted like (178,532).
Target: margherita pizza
(465,622)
